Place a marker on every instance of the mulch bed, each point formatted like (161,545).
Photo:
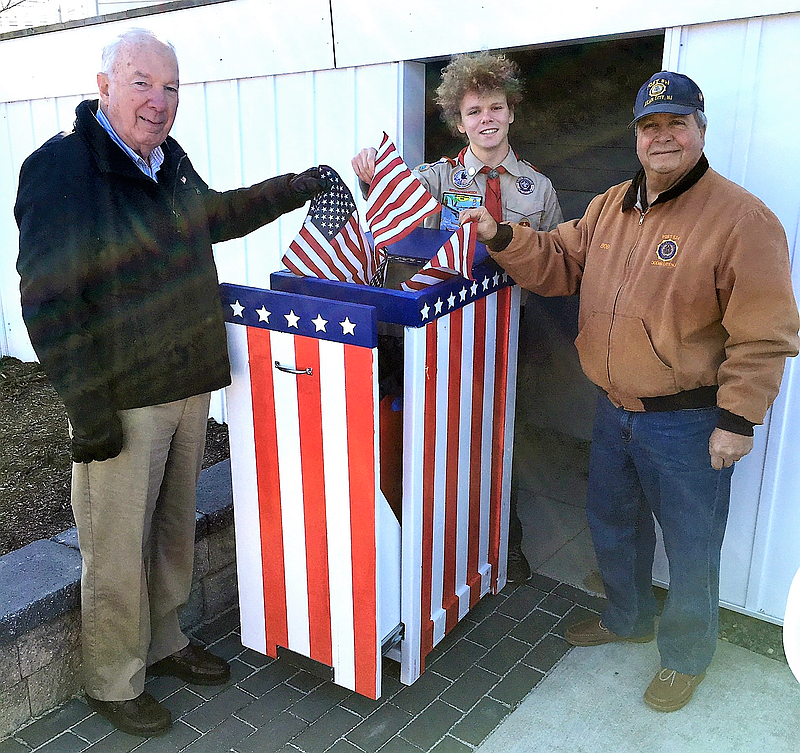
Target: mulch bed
(35,463)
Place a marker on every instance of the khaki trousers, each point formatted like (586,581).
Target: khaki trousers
(136,522)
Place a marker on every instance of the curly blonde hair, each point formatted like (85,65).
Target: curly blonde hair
(480,72)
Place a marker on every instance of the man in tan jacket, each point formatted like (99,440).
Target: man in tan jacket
(687,316)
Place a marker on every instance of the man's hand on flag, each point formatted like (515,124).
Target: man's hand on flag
(309,183)
(486,226)
(364,164)
(331,244)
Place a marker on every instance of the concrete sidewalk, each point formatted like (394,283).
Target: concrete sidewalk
(592,701)
(504,680)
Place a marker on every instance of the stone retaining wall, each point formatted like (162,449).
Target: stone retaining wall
(40,651)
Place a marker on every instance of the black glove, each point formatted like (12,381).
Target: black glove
(97,442)
(309,183)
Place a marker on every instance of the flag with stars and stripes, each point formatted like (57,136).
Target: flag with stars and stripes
(397,202)
(454,258)
(331,244)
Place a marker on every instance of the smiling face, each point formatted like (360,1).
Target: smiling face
(668,146)
(485,119)
(140,96)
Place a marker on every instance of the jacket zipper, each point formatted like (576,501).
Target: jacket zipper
(175,185)
(616,297)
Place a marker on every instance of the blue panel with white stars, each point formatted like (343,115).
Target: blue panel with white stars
(409,308)
(321,318)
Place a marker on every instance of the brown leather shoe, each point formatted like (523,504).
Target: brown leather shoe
(195,665)
(671,690)
(143,716)
(593,632)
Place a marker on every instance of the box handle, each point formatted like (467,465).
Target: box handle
(290,370)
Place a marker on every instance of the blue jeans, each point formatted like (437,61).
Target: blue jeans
(657,464)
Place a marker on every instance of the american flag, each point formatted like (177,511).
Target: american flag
(397,202)
(331,244)
(455,257)
(323,569)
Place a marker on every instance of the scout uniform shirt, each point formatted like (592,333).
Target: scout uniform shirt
(527,196)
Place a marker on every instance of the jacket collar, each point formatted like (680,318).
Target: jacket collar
(109,157)
(638,186)
(468,159)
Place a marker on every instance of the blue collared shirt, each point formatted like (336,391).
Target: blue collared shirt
(156,156)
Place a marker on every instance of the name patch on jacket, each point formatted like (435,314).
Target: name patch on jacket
(666,251)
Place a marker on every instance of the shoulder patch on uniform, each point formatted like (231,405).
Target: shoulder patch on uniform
(428,165)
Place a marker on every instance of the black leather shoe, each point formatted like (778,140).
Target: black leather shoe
(143,716)
(195,665)
(518,570)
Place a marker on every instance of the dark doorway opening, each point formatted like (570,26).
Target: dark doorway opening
(572,124)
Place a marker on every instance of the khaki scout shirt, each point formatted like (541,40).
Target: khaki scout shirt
(528,197)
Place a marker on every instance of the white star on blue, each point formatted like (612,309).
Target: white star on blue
(331,210)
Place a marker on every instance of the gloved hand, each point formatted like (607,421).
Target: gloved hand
(98,442)
(309,183)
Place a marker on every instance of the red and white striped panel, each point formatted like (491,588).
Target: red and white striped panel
(458,434)
(303,461)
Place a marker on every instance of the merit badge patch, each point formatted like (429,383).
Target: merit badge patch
(452,204)
(666,252)
(461,178)
(524,185)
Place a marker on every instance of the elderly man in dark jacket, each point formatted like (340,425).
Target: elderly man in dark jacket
(119,294)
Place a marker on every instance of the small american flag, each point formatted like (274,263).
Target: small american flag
(331,244)
(455,257)
(397,202)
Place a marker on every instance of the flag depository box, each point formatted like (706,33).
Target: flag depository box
(369,519)
(408,308)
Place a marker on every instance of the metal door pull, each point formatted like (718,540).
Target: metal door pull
(290,370)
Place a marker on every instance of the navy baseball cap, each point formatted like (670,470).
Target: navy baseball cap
(666,91)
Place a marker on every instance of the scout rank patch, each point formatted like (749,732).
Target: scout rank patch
(463,177)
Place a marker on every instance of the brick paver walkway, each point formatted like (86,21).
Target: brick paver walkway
(473,679)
